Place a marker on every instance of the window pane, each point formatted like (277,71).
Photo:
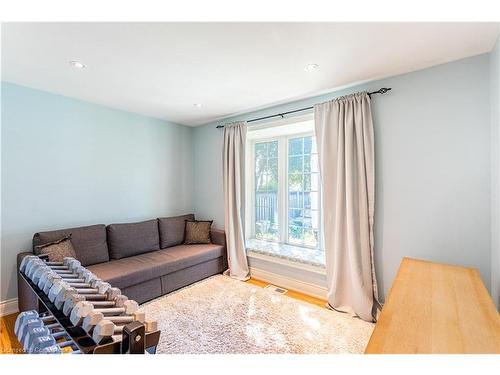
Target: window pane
(295,182)
(295,199)
(273,175)
(303,196)
(307,182)
(295,234)
(266,190)
(307,164)
(295,146)
(295,217)
(273,149)
(307,145)
(295,164)
(311,237)
(261,150)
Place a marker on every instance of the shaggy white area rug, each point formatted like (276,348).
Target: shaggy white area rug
(222,315)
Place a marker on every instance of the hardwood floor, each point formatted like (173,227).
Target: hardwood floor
(10,345)
(292,293)
(8,340)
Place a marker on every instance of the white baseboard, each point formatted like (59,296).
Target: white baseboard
(288,283)
(9,306)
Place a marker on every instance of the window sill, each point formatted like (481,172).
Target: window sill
(292,255)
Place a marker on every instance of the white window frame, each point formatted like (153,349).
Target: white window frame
(283,145)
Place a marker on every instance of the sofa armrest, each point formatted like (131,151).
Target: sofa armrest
(26,298)
(218,237)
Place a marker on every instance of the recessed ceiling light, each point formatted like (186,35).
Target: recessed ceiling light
(77,64)
(198,105)
(311,67)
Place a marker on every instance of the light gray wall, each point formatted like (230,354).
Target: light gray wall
(495,172)
(67,163)
(432,166)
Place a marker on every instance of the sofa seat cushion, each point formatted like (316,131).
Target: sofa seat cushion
(89,242)
(123,273)
(190,255)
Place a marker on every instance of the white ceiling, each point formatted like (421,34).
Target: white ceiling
(162,69)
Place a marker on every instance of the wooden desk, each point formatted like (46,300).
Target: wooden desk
(436,308)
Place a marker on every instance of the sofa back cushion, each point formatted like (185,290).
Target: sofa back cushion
(125,240)
(172,230)
(89,242)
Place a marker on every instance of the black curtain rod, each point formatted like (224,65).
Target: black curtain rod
(383,90)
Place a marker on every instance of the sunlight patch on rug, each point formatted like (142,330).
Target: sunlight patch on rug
(222,315)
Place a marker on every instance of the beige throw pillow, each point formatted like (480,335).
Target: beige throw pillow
(196,231)
(57,250)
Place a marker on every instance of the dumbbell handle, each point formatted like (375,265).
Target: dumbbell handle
(124,319)
(119,328)
(91,291)
(100,304)
(54,268)
(63,272)
(77,285)
(55,264)
(111,310)
(72,276)
(95,297)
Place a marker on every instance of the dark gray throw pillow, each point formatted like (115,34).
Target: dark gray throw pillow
(197,231)
(57,250)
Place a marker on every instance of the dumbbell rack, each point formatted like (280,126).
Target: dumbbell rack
(80,337)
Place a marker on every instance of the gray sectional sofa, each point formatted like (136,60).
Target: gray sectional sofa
(145,259)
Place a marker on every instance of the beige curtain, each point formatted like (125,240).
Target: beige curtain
(344,133)
(234,199)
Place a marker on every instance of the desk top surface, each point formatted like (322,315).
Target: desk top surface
(436,308)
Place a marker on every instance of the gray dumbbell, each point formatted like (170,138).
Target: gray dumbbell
(48,279)
(26,315)
(33,266)
(127,307)
(91,320)
(43,342)
(106,330)
(39,332)
(84,313)
(80,311)
(56,287)
(150,326)
(25,261)
(28,262)
(27,326)
(111,298)
(31,263)
(100,289)
(22,317)
(103,331)
(74,267)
